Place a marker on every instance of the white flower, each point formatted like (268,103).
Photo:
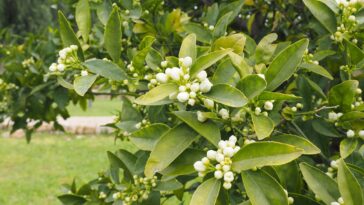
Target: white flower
(186,76)
(53,67)
(224,113)
(218,174)
(268,105)
(257,110)
(333,116)
(208,103)
(161,77)
(183,96)
(222,144)
(195,87)
(182,88)
(228,176)
(187,61)
(361,133)
(205,160)
(191,102)
(62,54)
(192,94)
(199,166)
(228,151)
(233,139)
(350,133)
(61,67)
(164,64)
(202,75)
(226,168)
(262,76)
(205,86)
(84,73)
(211,154)
(174,73)
(219,157)
(227,185)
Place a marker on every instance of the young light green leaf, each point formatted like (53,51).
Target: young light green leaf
(106,69)
(225,73)
(188,47)
(146,138)
(169,147)
(240,65)
(285,63)
(343,94)
(297,141)
(206,193)
(266,95)
(235,42)
(262,189)
(263,126)
(348,185)
(265,48)
(113,35)
(322,13)
(317,69)
(321,184)
(347,146)
(83,18)
(64,83)
(81,84)
(261,154)
(68,36)
(227,95)
(207,60)
(252,86)
(156,95)
(208,129)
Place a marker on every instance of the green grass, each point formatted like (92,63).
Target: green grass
(99,107)
(33,174)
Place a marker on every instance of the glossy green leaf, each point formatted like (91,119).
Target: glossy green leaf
(321,184)
(347,146)
(188,47)
(240,65)
(297,141)
(82,84)
(169,147)
(207,129)
(146,138)
(252,86)
(322,13)
(356,54)
(169,185)
(103,11)
(234,41)
(261,154)
(263,126)
(106,69)
(156,95)
(262,189)
(343,94)
(227,95)
(83,18)
(285,63)
(221,25)
(145,46)
(64,83)
(206,193)
(265,48)
(317,69)
(315,87)
(207,60)
(354,115)
(71,199)
(113,35)
(202,34)
(348,185)
(266,95)
(124,163)
(225,73)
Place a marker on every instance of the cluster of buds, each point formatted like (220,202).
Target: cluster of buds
(290,199)
(67,58)
(348,23)
(28,62)
(333,116)
(308,58)
(333,167)
(188,87)
(268,106)
(219,161)
(359,100)
(143,123)
(352,134)
(137,192)
(340,201)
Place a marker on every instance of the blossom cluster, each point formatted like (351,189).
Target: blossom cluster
(67,58)
(219,161)
(340,201)
(349,23)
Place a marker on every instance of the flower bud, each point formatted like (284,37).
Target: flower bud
(211,154)
(218,174)
(227,185)
(161,77)
(183,96)
(84,73)
(208,103)
(350,133)
(187,61)
(268,105)
(224,113)
(199,166)
(202,75)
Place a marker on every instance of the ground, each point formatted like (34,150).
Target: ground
(32,174)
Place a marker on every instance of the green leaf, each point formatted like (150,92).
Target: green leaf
(240,65)
(261,154)
(348,185)
(297,141)
(206,193)
(146,138)
(207,129)
(321,184)
(81,84)
(83,18)
(68,36)
(70,199)
(225,73)
(347,146)
(207,60)
(103,11)
(169,147)
(315,87)
(201,33)
(285,63)
(227,95)
(145,46)
(263,126)
(252,86)
(64,83)
(128,112)
(356,54)
(317,69)
(156,95)
(188,47)
(117,162)
(343,94)
(350,116)
(221,25)
(106,69)
(113,35)
(262,189)
(169,185)
(266,95)
(322,13)
(265,48)
(234,41)
(183,165)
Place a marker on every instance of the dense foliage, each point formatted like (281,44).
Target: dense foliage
(233,102)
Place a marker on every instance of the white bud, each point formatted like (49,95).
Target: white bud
(358,91)
(333,116)
(208,103)
(262,76)
(187,61)
(228,176)
(224,113)
(60,67)
(175,74)
(333,164)
(192,94)
(183,96)
(236,149)
(294,109)
(186,76)
(53,67)
(154,81)
(199,166)
(222,144)
(334,203)
(211,27)
(340,200)
(290,200)
(227,185)
(361,134)
(352,18)
(350,133)
(74,47)
(182,88)
(138,125)
(84,73)
(191,102)
(211,154)
(233,139)
(257,110)
(228,151)
(62,54)
(195,87)
(219,157)
(268,105)
(218,174)
(205,160)
(161,77)
(164,64)
(226,168)
(202,75)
